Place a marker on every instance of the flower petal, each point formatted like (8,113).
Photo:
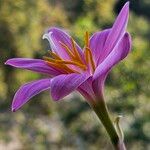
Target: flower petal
(117,31)
(63,85)
(118,53)
(36,65)
(97,42)
(55,36)
(86,89)
(27,91)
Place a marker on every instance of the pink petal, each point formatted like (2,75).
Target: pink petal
(27,91)
(97,43)
(63,85)
(86,90)
(118,53)
(36,65)
(55,36)
(117,31)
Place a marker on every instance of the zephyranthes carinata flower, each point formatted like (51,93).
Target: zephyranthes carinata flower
(70,68)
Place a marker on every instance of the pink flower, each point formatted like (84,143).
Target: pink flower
(70,68)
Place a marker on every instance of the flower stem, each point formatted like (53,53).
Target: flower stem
(101,110)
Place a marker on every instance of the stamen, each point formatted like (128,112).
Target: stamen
(54,55)
(90,58)
(75,50)
(75,57)
(87,39)
(86,56)
(61,67)
(72,63)
(48,59)
(67,49)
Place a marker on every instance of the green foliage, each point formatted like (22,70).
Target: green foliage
(70,124)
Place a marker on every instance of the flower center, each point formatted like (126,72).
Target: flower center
(76,63)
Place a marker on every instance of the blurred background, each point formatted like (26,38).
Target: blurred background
(70,124)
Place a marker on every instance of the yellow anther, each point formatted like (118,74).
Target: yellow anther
(48,59)
(86,56)
(87,39)
(68,50)
(54,55)
(89,58)
(76,53)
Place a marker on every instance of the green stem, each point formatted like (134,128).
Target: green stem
(101,110)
